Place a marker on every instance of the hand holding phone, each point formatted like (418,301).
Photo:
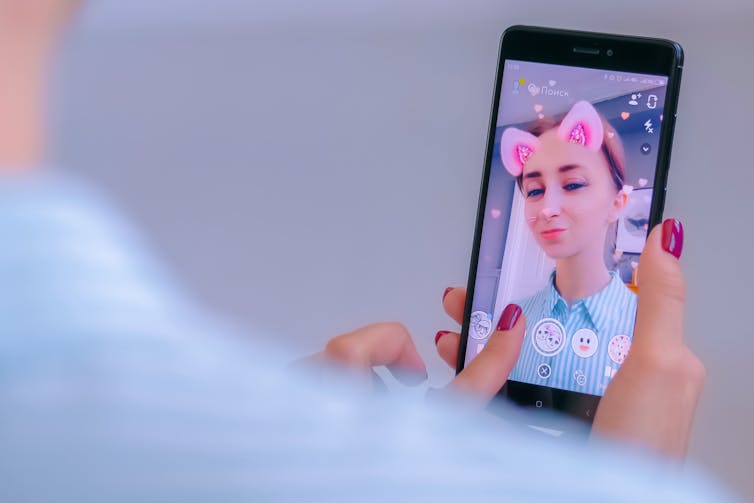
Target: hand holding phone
(652,400)
(649,403)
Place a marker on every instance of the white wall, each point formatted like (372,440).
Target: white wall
(314,166)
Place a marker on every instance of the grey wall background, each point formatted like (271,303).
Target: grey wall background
(312,167)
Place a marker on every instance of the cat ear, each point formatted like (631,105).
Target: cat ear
(582,125)
(516,146)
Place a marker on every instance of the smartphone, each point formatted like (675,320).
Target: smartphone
(575,175)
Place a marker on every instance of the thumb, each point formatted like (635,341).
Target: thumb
(488,371)
(662,291)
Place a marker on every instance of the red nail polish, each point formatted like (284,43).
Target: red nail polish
(672,237)
(509,317)
(440,334)
(447,291)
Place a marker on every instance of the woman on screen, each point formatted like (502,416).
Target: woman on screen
(571,175)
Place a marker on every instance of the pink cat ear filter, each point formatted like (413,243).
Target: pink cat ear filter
(516,146)
(582,125)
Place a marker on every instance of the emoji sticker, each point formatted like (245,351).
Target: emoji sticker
(548,337)
(584,343)
(618,347)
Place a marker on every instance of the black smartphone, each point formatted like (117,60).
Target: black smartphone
(574,177)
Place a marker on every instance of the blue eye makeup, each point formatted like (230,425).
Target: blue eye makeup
(574,186)
(535,192)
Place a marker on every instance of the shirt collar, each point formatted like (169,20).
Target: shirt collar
(599,317)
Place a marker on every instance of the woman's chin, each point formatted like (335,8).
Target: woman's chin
(556,251)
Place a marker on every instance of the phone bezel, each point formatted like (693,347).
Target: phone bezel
(555,46)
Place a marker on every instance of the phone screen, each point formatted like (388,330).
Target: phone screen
(568,205)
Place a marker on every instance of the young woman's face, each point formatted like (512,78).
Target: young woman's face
(570,197)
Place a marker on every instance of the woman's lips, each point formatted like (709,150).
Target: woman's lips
(552,233)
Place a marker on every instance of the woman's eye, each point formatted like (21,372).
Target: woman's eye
(574,186)
(535,193)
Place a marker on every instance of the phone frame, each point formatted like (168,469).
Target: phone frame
(555,46)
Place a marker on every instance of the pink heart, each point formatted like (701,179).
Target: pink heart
(537,108)
(541,116)
(610,134)
(625,115)
(495,213)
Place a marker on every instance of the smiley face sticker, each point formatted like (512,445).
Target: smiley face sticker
(548,337)
(618,347)
(584,343)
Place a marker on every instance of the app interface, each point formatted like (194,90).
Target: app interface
(566,218)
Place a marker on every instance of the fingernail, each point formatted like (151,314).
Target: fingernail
(440,334)
(447,291)
(672,237)
(509,317)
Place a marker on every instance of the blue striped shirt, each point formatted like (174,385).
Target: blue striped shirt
(577,348)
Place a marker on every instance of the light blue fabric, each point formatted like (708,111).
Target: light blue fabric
(115,386)
(601,317)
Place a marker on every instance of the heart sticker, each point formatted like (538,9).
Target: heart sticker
(625,115)
(495,213)
(537,108)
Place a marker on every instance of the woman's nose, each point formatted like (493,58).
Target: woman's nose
(551,205)
(549,213)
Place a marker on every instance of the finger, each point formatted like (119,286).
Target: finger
(662,292)
(386,344)
(488,371)
(454,303)
(447,344)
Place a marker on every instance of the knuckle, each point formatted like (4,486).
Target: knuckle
(396,327)
(664,279)
(681,367)
(671,286)
(695,369)
(343,349)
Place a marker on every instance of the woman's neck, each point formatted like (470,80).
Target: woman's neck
(581,275)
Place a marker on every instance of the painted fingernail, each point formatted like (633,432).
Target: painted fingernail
(440,334)
(447,291)
(509,317)
(672,237)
